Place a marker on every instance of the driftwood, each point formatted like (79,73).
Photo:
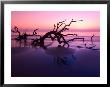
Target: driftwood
(57,35)
(24,35)
(75,39)
(70,35)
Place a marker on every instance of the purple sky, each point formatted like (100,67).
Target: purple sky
(44,20)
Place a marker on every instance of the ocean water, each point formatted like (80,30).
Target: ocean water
(48,42)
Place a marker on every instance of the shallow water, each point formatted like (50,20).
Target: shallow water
(75,61)
(96,41)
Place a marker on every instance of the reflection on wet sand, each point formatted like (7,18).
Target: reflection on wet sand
(61,55)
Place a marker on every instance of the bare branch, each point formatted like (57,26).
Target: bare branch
(54,27)
(64,28)
(71,35)
(34,32)
(16,30)
(59,24)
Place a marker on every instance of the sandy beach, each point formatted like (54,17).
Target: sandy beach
(54,62)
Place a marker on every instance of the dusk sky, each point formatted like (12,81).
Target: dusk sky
(45,20)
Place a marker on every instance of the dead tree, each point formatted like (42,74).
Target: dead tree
(23,36)
(57,35)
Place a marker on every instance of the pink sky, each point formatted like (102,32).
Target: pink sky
(44,20)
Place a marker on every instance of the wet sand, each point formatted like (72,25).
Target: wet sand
(54,62)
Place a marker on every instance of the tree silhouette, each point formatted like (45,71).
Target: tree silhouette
(57,34)
(23,36)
